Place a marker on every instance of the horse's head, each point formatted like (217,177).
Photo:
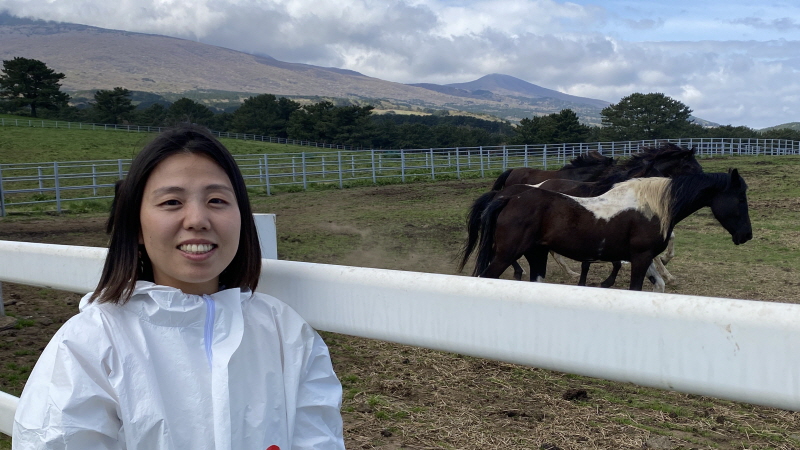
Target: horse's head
(729,207)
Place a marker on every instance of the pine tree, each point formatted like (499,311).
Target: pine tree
(29,82)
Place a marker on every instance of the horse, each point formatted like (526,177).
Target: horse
(585,167)
(593,166)
(631,222)
(664,160)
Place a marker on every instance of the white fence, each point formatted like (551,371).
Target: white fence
(733,349)
(50,185)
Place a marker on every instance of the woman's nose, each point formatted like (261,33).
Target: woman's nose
(196,217)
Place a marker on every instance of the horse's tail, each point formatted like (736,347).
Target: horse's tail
(501,180)
(474,226)
(488,226)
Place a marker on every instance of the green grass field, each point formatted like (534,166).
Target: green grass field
(35,144)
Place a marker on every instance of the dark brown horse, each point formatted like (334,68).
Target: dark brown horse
(665,160)
(631,222)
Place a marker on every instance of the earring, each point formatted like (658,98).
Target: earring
(141,263)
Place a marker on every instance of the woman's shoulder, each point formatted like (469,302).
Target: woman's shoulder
(265,303)
(264,308)
(91,319)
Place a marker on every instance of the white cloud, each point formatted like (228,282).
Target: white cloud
(731,62)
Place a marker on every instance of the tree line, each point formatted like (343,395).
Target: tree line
(29,86)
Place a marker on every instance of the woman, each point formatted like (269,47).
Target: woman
(174,349)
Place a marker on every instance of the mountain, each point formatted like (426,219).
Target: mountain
(795,126)
(507,85)
(96,58)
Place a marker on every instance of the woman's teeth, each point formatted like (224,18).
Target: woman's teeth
(196,248)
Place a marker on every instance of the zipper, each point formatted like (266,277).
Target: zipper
(209,329)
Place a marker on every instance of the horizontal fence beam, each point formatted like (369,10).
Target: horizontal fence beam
(732,349)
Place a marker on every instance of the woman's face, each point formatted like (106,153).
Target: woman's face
(190,223)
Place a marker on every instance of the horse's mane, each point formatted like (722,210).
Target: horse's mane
(646,155)
(655,196)
(685,189)
(589,159)
(606,183)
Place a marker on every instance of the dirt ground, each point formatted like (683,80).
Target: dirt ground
(399,397)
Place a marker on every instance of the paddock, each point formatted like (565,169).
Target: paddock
(731,349)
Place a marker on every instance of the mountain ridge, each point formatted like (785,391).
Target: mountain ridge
(97,58)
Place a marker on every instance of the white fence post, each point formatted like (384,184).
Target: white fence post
(267,235)
(372,158)
(2,195)
(58,191)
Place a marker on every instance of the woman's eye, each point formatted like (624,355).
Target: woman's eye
(217,201)
(171,203)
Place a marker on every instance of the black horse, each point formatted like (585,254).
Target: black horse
(585,167)
(631,222)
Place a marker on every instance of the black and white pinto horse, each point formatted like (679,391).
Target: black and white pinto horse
(630,222)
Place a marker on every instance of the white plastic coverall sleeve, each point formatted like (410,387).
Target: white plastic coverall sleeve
(175,371)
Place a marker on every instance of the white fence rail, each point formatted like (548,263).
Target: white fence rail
(733,349)
(50,185)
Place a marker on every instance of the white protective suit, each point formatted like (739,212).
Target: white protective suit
(167,370)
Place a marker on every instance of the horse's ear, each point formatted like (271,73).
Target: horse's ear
(736,179)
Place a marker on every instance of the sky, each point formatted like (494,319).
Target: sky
(732,62)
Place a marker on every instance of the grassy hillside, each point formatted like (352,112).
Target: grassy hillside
(790,125)
(27,145)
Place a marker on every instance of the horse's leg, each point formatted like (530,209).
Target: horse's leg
(518,271)
(495,268)
(669,253)
(502,258)
(639,265)
(537,259)
(661,270)
(562,262)
(584,272)
(612,277)
(655,277)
